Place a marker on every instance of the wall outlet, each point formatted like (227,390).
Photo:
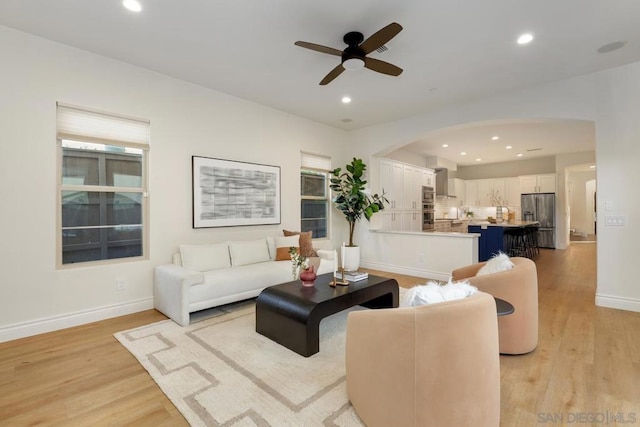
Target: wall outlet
(121,284)
(614,220)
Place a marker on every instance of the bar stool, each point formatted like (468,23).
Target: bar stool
(515,241)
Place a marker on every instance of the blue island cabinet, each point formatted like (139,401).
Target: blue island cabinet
(491,240)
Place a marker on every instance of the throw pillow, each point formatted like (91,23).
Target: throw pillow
(433,292)
(306,242)
(500,262)
(283,244)
(249,252)
(205,257)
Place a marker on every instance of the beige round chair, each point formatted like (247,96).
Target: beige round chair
(432,365)
(518,332)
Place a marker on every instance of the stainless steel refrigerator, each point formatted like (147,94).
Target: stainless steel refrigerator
(541,207)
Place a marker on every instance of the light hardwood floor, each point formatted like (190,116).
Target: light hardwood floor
(587,362)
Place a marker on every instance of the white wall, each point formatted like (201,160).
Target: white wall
(617,176)
(185,120)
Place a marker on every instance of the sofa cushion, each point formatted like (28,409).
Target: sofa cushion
(306,242)
(499,262)
(433,292)
(283,244)
(205,257)
(249,252)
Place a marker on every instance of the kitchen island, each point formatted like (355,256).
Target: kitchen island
(515,238)
(432,255)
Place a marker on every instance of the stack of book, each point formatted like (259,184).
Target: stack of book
(354,276)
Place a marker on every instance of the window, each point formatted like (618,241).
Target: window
(314,195)
(102,191)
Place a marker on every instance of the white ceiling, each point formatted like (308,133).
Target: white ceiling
(531,138)
(451,51)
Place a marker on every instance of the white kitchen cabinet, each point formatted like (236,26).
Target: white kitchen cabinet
(538,183)
(457,187)
(547,183)
(390,221)
(471,187)
(392,183)
(498,186)
(485,187)
(411,221)
(412,187)
(479,191)
(512,192)
(402,185)
(429,179)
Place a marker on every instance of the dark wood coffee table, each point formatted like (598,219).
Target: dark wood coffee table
(290,314)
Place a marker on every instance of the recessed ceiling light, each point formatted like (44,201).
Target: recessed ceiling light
(592,166)
(445,145)
(464,153)
(132,5)
(346,100)
(508,147)
(525,38)
(610,47)
(494,138)
(478,159)
(519,154)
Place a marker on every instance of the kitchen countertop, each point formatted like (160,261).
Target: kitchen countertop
(517,223)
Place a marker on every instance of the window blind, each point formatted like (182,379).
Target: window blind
(315,161)
(80,123)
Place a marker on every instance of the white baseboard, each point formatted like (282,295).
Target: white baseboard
(621,303)
(55,323)
(410,271)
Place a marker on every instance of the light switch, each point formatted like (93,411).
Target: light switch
(614,220)
(608,205)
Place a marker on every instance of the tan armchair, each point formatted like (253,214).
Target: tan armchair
(432,365)
(518,332)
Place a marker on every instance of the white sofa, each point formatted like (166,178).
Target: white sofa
(205,276)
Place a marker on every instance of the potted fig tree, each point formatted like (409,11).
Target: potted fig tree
(355,201)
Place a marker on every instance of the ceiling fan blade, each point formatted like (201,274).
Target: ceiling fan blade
(319,48)
(381,37)
(382,67)
(332,75)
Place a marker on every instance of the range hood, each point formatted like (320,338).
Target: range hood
(442,183)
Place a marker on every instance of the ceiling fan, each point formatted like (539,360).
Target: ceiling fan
(355,54)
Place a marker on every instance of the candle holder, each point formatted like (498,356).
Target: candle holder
(340,282)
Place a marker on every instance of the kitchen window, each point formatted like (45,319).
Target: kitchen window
(103,203)
(314,195)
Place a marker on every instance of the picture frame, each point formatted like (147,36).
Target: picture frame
(229,193)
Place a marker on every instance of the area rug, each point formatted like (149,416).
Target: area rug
(220,372)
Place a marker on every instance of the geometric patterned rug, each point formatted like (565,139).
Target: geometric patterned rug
(220,372)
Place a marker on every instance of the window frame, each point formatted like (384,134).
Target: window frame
(143,191)
(327,199)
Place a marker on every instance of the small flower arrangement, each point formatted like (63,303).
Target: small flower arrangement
(495,197)
(297,262)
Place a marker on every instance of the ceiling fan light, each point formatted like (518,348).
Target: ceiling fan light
(132,5)
(353,64)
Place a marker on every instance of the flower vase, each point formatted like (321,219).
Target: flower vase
(308,277)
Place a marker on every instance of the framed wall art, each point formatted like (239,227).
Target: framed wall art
(228,193)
